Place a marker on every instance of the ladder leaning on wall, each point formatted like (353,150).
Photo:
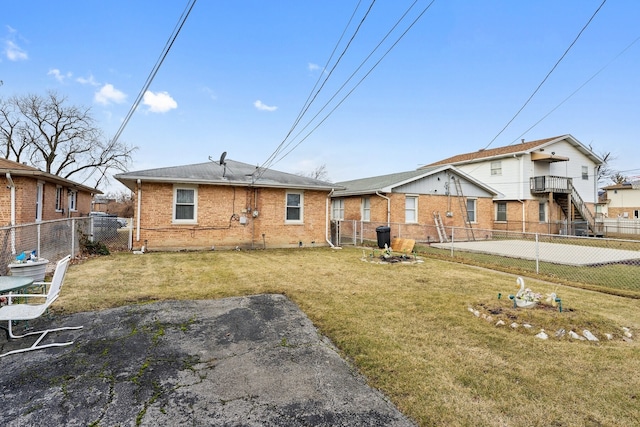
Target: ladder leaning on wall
(463,209)
(442,234)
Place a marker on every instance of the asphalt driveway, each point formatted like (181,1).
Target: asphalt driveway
(252,361)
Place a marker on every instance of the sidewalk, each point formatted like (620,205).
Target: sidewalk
(254,361)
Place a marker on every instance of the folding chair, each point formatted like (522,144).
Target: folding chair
(26,311)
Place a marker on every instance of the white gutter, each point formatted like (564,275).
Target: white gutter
(13,211)
(388,207)
(520,191)
(326,218)
(138,217)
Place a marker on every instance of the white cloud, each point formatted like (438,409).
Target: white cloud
(263,107)
(88,80)
(58,75)
(159,102)
(14,52)
(108,94)
(313,67)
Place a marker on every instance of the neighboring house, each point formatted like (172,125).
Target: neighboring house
(30,195)
(226,205)
(439,195)
(541,183)
(622,201)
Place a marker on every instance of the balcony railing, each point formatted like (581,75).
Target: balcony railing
(550,184)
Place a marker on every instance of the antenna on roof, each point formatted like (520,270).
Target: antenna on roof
(223,163)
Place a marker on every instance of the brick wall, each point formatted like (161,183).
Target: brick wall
(25,190)
(225,219)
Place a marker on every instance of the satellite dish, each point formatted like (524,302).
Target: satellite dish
(222,157)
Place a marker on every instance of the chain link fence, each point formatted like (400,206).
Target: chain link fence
(53,240)
(603,264)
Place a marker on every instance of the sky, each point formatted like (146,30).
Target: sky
(239,76)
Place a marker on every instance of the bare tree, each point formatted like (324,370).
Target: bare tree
(61,139)
(319,173)
(618,178)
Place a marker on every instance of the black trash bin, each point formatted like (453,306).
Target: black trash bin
(384,236)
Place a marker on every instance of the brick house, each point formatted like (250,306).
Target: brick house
(543,184)
(622,201)
(30,195)
(441,194)
(226,205)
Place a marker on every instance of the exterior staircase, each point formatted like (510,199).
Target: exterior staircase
(576,210)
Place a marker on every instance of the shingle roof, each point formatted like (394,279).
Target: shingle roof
(231,173)
(386,183)
(524,147)
(20,169)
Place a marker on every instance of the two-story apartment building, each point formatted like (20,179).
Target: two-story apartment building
(542,183)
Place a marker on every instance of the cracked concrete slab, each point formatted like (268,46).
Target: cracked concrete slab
(247,361)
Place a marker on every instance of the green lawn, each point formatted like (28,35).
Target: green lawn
(409,329)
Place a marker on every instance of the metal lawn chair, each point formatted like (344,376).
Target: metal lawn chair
(26,311)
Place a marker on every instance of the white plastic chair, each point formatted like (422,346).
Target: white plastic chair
(25,311)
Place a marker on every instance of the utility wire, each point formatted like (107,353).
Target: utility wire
(154,71)
(360,81)
(577,90)
(312,96)
(547,76)
(273,161)
(269,161)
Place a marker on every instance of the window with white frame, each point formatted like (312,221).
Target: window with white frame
(411,209)
(585,172)
(471,210)
(185,206)
(366,209)
(295,206)
(59,199)
(496,168)
(501,211)
(73,200)
(337,209)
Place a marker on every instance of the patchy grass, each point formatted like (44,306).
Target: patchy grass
(408,329)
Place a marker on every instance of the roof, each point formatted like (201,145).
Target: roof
(386,183)
(20,169)
(623,186)
(229,173)
(509,150)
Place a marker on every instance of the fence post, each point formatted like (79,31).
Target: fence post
(73,237)
(38,229)
(537,255)
(452,233)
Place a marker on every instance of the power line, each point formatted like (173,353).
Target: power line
(154,71)
(547,76)
(273,159)
(577,90)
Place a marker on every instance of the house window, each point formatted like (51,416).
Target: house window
(366,209)
(411,209)
(39,196)
(471,210)
(636,214)
(496,168)
(59,199)
(337,209)
(542,212)
(73,200)
(184,204)
(585,172)
(294,207)
(501,211)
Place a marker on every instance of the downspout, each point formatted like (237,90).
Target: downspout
(139,204)
(388,207)
(522,183)
(327,226)
(13,212)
